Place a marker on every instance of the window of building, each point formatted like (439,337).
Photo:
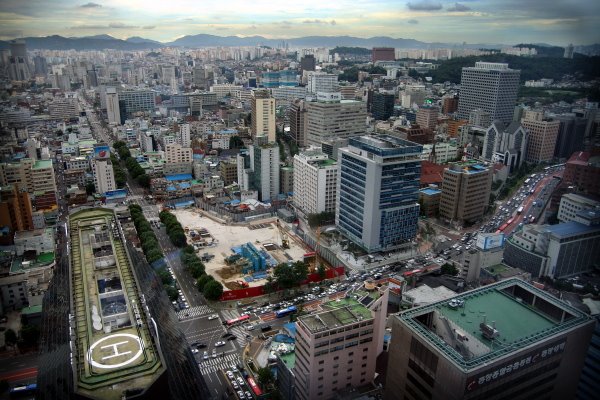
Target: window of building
(321,362)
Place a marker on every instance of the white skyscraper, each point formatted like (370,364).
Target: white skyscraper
(315,181)
(322,83)
(264,161)
(104,178)
(184,138)
(112,106)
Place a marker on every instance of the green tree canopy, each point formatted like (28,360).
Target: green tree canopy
(213,290)
(202,281)
(288,275)
(449,269)
(265,376)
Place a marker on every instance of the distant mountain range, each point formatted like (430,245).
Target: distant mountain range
(101,42)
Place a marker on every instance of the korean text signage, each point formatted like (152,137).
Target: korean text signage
(526,361)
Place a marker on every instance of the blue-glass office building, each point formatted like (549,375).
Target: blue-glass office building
(379,191)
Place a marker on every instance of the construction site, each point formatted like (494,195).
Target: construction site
(240,255)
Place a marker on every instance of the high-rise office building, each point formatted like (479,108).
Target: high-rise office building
(176,153)
(489,86)
(466,190)
(383,105)
(582,171)
(30,175)
(298,118)
(337,346)
(40,65)
(557,251)
(18,65)
(383,54)
(378,191)
(319,82)
(505,340)
(183,137)
(571,135)
(113,111)
(264,170)
(16,213)
(543,134)
(315,182)
(138,101)
(308,63)
(96,285)
(427,116)
(449,104)
(332,118)
(102,169)
(263,115)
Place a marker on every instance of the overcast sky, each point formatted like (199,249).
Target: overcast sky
(474,21)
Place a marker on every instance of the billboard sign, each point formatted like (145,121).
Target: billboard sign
(487,241)
(101,151)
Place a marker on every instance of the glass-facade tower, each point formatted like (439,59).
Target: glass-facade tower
(377,201)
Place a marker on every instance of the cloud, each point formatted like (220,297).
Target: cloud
(91,5)
(89,27)
(11,33)
(332,22)
(458,8)
(222,28)
(314,21)
(424,5)
(114,25)
(120,25)
(412,21)
(252,27)
(148,27)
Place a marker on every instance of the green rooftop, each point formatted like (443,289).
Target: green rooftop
(335,314)
(42,164)
(289,359)
(31,310)
(20,264)
(511,308)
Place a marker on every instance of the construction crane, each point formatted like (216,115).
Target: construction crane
(284,237)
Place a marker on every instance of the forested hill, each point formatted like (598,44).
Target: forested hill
(350,50)
(532,68)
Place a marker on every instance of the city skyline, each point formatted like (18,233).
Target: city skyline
(472,21)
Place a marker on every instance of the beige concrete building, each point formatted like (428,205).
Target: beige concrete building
(263,115)
(427,116)
(175,153)
(228,171)
(542,136)
(465,191)
(315,182)
(33,176)
(507,340)
(297,115)
(334,120)
(337,346)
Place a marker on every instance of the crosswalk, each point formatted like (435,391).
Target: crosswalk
(220,363)
(194,312)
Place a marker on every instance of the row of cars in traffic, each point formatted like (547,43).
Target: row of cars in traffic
(238,383)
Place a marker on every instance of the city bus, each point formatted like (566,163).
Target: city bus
(254,386)
(285,311)
(527,181)
(519,210)
(23,390)
(502,227)
(238,320)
